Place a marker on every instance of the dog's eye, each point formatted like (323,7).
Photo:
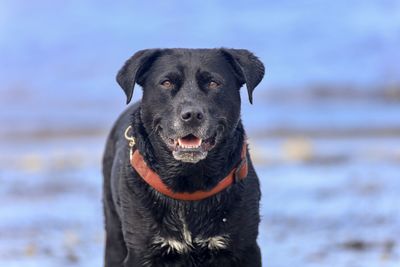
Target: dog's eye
(167,84)
(213,85)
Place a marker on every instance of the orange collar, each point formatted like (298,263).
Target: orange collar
(154,180)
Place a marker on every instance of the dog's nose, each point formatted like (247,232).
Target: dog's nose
(192,115)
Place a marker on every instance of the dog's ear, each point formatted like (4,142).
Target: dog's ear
(134,68)
(248,68)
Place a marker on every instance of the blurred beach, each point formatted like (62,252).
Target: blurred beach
(323,130)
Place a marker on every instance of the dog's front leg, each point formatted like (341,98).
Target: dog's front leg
(115,250)
(131,260)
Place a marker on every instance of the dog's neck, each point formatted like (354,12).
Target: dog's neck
(188,177)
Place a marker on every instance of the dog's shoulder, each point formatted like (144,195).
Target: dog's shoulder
(116,136)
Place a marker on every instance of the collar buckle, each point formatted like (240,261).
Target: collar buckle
(128,137)
(131,140)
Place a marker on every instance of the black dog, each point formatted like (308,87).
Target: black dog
(189,195)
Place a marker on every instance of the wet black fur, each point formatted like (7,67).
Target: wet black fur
(135,213)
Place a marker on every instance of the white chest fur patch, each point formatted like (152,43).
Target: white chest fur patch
(187,244)
(214,242)
(173,245)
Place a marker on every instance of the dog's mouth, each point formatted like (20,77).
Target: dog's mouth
(191,148)
(191,142)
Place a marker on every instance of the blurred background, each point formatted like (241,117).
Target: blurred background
(324,127)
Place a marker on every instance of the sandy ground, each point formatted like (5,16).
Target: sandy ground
(326,202)
(329,170)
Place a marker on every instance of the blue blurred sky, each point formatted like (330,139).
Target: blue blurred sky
(79,45)
(63,55)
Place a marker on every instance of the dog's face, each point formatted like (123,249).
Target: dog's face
(191,98)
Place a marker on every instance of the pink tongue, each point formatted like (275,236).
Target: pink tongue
(189,141)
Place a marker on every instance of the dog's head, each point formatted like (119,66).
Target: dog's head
(191,98)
